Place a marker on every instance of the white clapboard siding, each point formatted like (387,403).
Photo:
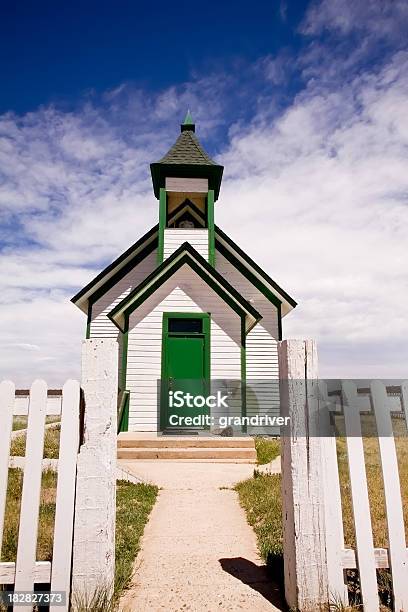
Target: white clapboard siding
(6,424)
(30,498)
(185,291)
(392,493)
(174,238)
(65,500)
(360,501)
(186,185)
(101,326)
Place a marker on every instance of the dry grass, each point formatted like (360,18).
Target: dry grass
(374,482)
(12,516)
(51,444)
(20,422)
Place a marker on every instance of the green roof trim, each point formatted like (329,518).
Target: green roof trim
(185,254)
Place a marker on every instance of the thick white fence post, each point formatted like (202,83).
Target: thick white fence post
(304,535)
(95,505)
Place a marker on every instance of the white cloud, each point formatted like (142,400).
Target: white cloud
(381,18)
(324,191)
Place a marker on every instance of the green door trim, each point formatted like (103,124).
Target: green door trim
(206,317)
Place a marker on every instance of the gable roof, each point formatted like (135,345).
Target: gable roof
(184,255)
(145,245)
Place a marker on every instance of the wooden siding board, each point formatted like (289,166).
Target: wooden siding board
(174,238)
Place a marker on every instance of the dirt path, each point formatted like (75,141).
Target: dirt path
(198,552)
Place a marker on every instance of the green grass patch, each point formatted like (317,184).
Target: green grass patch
(134,503)
(267,449)
(261,499)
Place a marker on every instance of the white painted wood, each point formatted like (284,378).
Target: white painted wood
(95,504)
(392,493)
(332,505)
(360,501)
(41,573)
(174,238)
(46,464)
(6,424)
(306,580)
(64,511)
(348,558)
(189,185)
(21,404)
(30,498)
(183,292)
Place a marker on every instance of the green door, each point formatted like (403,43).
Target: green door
(185,369)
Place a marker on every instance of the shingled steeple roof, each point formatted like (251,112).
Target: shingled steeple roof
(187,158)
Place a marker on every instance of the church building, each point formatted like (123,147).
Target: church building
(185,302)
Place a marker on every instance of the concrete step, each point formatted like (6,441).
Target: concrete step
(249,454)
(133,440)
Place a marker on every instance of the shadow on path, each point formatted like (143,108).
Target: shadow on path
(256,577)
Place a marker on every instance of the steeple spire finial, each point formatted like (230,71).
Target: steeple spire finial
(188,123)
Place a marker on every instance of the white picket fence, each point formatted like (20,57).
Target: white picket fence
(314,551)
(27,571)
(84,535)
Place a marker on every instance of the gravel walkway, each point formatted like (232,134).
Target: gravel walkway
(198,552)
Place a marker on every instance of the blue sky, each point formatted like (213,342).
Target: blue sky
(303,102)
(55,52)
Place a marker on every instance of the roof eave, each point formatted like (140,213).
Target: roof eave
(160,171)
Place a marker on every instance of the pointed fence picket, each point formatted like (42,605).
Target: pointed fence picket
(360,500)
(64,510)
(334,519)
